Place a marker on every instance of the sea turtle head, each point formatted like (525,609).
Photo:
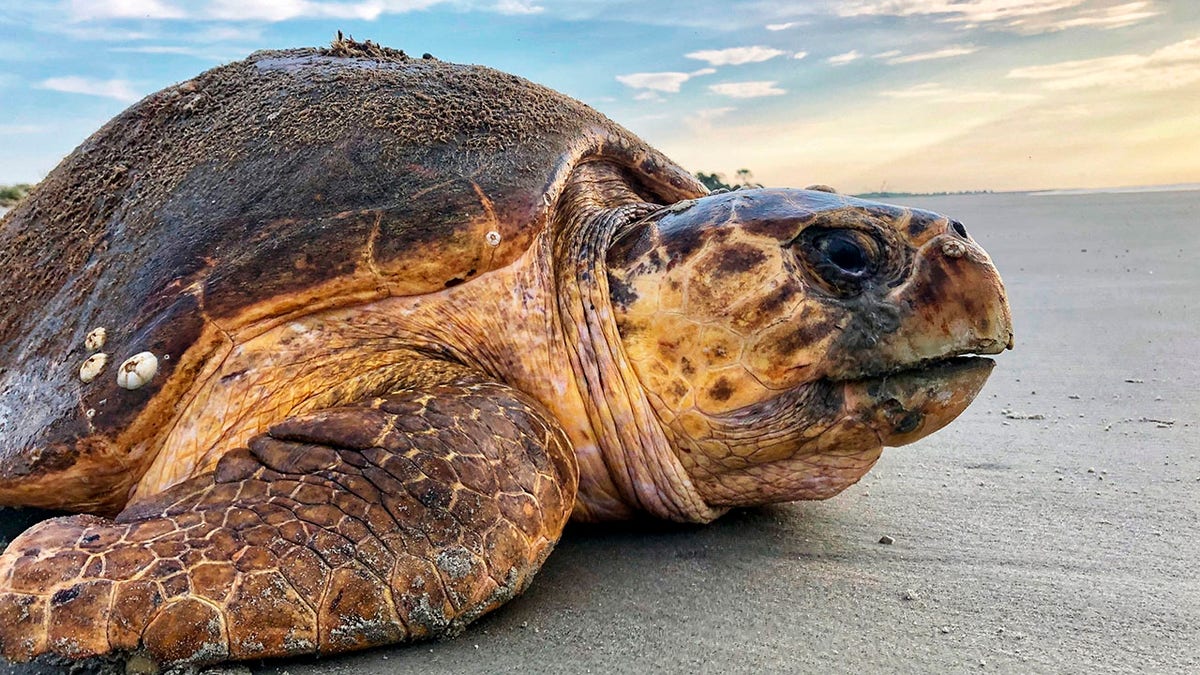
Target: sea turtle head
(784,337)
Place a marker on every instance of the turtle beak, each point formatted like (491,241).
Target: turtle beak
(953,304)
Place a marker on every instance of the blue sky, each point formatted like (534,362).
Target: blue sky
(918,95)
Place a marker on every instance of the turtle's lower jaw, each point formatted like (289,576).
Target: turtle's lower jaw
(908,404)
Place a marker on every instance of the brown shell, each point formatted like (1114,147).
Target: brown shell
(271,187)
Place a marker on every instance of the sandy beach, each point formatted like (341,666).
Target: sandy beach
(1055,527)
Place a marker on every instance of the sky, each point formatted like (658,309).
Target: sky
(864,95)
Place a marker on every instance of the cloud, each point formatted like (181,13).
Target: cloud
(736,56)
(1171,67)
(266,10)
(669,81)
(746,89)
(1104,18)
(799,55)
(957,11)
(282,10)
(517,7)
(785,26)
(120,90)
(843,59)
(934,92)
(944,53)
(1022,16)
(927,90)
(83,10)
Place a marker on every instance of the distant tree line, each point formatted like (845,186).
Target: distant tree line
(11,194)
(716,181)
(893,195)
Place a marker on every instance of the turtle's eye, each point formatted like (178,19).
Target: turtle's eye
(845,254)
(841,259)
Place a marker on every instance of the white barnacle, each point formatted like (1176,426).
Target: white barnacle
(92,366)
(94,341)
(493,238)
(952,248)
(137,370)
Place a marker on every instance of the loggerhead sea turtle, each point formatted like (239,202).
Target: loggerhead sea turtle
(331,343)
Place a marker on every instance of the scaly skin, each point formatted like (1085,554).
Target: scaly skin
(433,506)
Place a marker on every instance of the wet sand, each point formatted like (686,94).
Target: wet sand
(1055,527)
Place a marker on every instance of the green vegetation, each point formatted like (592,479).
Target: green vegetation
(716,181)
(11,194)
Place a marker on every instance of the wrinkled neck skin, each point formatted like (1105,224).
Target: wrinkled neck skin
(628,463)
(545,325)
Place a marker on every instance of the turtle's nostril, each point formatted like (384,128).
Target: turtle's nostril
(909,423)
(958,229)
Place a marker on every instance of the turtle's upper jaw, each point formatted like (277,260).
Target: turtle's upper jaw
(952,303)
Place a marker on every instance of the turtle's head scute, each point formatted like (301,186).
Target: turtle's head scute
(785,336)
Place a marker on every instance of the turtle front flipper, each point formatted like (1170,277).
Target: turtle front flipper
(400,518)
